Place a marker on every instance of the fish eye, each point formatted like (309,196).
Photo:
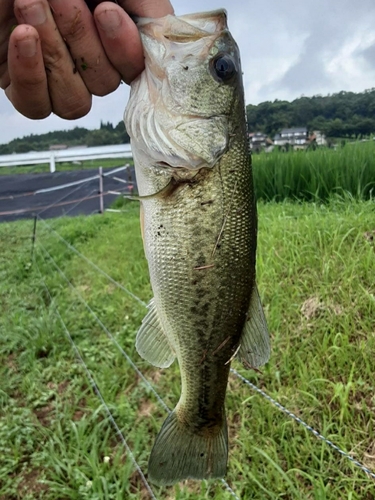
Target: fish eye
(223,67)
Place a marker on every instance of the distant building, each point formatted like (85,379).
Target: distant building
(57,147)
(259,141)
(319,137)
(293,136)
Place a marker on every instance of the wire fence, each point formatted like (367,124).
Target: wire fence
(48,259)
(37,202)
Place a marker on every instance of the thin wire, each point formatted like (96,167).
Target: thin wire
(32,209)
(304,424)
(77,252)
(66,195)
(76,205)
(66,185)
(118,169)
(98,393)
(139,373)
(228,488)
(122,180)
(104,328)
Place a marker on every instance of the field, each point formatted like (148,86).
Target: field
(316,175)
(316,271)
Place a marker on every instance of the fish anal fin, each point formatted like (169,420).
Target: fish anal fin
(255,341)
(179,454)
(151,342)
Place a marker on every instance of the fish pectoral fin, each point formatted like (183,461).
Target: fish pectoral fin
(255,340)
(151,342)
(180,454)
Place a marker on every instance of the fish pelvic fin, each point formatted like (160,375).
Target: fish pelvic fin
(255,346)
(179,454)
(151,342)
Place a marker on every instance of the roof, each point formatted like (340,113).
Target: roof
(296,130)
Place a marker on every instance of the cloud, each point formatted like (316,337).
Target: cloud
(368,56)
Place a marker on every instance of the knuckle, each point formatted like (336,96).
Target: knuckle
(55,58)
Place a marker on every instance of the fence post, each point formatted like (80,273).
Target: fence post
(101,201)
(33,237)
(52,163)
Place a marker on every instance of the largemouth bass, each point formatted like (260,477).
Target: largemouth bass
(186,120)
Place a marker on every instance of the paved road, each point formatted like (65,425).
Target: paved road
(20,197)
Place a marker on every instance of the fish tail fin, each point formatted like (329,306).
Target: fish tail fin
(178,454)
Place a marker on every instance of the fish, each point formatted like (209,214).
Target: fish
(187,124)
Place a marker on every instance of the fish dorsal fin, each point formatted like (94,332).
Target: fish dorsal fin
(255,341)
(151,342)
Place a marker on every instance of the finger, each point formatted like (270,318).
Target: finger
(27,74)
(4,75)
(68,93)
(77,27)
(147,8)
(7,23)
(120,39)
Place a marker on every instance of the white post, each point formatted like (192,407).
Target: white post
(101,201)
(52,163)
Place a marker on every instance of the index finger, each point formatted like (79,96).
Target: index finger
(120,36)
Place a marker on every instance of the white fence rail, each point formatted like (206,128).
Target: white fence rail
(66,155)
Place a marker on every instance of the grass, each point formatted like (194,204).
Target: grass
(316,267)
(66,166)
(316,175)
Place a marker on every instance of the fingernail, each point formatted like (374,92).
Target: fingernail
(27,47)
(109,21)
(34,14)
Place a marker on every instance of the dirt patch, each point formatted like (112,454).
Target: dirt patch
(146,408)
(44,414)
(370,236)
(62,387)
(312,308)
(155,376)
(137,486)
(11,363)
(233,427)
(369,457)
(31,483)
(81,412)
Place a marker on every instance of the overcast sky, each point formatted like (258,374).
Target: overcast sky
(288,48)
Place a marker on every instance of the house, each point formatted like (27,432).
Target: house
(57,147)
(258,141)
(294,136)
(320,138)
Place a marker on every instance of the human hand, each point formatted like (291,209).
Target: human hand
(59,54)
